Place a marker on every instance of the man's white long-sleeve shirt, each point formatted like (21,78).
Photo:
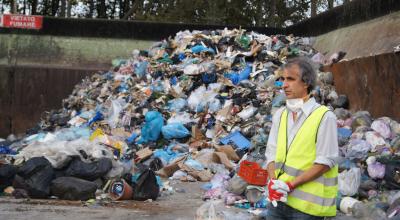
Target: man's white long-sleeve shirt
(327,150)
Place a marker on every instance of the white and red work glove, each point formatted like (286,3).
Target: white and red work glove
(278,191)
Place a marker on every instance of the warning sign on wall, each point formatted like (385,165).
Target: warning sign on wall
(21,21)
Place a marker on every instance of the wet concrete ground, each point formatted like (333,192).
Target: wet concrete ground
(179,205)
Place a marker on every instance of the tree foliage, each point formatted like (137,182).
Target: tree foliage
(273,13)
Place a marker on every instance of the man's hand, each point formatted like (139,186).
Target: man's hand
(277,191)
(284,186)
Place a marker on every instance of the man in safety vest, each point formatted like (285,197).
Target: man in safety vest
(302,150)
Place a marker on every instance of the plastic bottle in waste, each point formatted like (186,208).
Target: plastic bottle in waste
(245,205)
(359,210)
(118,188)
(352,206)
(261,204)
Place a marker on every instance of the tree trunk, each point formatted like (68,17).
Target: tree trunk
(146,8)
(259,13)
(313,8)
(272,13)
(13,6)
(330,4)
(121,8)
(24,8)
(63,6)
(272,7)
(34,6)
(91,8)
(46,7)
(101,9)
(214,13)
(135,5)
(69,7)
(113,7)
(54,7)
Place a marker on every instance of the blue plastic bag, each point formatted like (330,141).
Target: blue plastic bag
(278,83)
(166,156)
(208,78)
(123,87)
(344,132)
(181,56)
(157,86)
(175,130)
(214,105)
(7,150)
(237,77)
(279,100)
(141,69)
(152,127)
(163,156)
(343,135)
(194,164)
(173,80)
(98,117)
(201,48)
(132,138)
(176,105)
(73,133)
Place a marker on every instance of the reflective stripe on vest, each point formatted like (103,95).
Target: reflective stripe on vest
(313,198)
(291,171)
(317,197)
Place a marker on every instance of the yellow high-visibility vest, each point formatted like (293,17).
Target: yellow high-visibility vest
(317,197)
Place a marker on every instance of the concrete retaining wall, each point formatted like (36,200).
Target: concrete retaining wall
(370,38)
(371,83)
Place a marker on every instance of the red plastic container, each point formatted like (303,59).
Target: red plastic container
(252,173)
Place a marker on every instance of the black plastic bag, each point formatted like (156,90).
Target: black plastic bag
(88,171)
(146,186)
(35,177)
(156,164)
(71,188)
(32,166)
(392,175)
(341,102)
(7,174)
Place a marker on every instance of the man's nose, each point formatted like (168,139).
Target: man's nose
(285,84)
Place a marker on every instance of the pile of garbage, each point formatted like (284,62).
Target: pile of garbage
(190,108)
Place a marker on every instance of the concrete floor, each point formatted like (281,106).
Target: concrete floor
(179,205)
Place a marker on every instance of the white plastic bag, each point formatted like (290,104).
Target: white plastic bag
(196,97)
(182,117)
(203,97)
(374,139)
(349,181)
(247,112)
(357,148)
(382,128)
(192,69)
(116,107)
(58,152)
(207,211)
